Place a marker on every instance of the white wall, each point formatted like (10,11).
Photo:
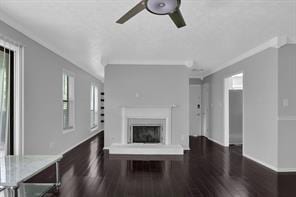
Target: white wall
(43,98)
(131,85)
(260,105)
(287,108)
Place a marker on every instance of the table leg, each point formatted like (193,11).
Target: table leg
(12,192)
(58,177)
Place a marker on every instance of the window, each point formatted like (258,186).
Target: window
(94,107)
(68,102)
(7,58)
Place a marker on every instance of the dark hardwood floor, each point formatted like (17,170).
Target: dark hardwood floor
(208,170)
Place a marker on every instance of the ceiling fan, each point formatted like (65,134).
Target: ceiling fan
(158,7)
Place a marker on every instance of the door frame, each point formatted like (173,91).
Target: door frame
(200,126)
(226,107)
(19,101)
(205,109)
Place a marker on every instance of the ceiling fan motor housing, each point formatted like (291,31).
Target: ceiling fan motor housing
(162,7)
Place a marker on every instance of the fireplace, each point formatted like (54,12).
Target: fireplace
(147,131)
(146,134)
(149,123)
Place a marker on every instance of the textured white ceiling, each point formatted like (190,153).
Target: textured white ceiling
(85,31)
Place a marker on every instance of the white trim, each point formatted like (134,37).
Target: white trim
(93,84)
(258,161)
(47,45)
(227,84)
(69,72)
(68,130)
(205,104)
(87,138)
(261,162)
(196,77)
(276,42)
(227,81)
(19,102)
(71,75)
(186,148)
(8,43)
(22,123)
(216,141)
(291,118)
(286,170)
(149,63)
(94,129)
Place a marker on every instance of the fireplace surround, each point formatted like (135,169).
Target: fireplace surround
(155,125)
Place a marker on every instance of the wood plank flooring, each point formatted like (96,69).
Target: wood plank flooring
(208,170)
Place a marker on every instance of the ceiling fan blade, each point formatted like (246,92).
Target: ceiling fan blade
(178,18)
(134,11)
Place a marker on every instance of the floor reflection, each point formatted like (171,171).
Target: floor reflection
(206,170)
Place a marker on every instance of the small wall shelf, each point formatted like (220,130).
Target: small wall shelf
(102,107)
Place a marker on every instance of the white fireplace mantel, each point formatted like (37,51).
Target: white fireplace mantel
(151,112)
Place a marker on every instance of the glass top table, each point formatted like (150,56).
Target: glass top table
(15,170)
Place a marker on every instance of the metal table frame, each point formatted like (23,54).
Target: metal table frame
(13,191)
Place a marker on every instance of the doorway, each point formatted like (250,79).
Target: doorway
(195,109)
(233,110)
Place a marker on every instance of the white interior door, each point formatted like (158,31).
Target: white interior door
(205,109)
(195,110)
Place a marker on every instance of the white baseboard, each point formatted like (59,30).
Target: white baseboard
(276,169)
(216,141)
(261,162)
(87,138)
(186,148)
(258,161)
(286,170)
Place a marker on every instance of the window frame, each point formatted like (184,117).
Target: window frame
(70,100)
(11,106)
(18,97)
(94,120)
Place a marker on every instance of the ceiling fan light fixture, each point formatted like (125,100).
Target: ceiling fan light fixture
(158,7)
(162,7)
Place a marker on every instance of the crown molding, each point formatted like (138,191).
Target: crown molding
(292,40)
(20,28)
(276,42)
(151,63)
